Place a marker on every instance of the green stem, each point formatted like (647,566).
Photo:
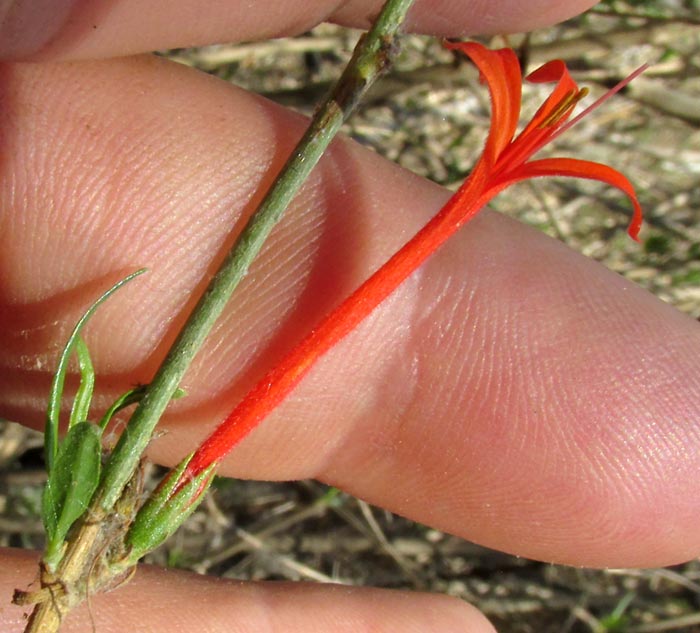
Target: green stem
(370,59)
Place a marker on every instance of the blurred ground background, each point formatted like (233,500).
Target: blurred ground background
(430,116)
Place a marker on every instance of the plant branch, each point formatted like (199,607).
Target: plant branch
(81,570)
(369,61)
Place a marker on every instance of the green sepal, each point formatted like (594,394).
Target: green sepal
(54,407)
(72,481)
(167,509)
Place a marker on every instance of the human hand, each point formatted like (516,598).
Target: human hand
(526,398)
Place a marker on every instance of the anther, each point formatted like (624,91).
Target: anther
(563,107)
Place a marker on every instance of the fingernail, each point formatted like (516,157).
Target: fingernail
(28,26)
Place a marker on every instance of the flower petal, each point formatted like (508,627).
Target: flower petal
(551,72)
(501,71)
(573,167)
(549,117)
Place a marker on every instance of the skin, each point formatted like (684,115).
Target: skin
(511,392)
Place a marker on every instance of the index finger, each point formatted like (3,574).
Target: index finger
(512,392)
(77,29)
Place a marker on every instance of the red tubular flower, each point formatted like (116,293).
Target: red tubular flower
(504,161)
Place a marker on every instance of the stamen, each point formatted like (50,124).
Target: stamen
(563,107)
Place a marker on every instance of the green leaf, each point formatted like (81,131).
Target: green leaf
(81,404)
(54,407)
(617,621)
(167,509)
(127,399)
(71,483)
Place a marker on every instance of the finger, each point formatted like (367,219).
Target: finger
(73,29)
(511,391)
(166,600)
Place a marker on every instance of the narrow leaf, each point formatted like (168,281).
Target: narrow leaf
(72,481)
(81,404)
(126,399)
(59,379)
(132,396)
